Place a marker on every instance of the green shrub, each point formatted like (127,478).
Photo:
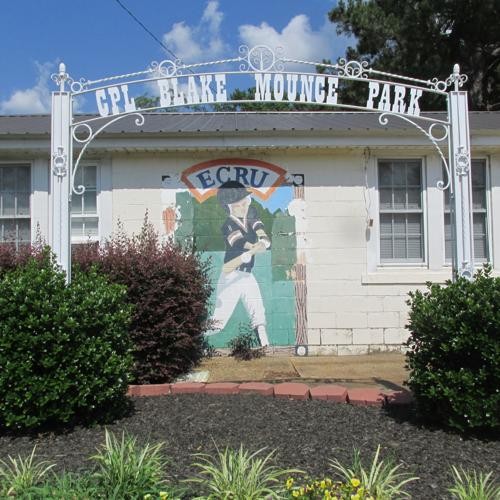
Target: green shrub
(169,288)
(64,350)
(454,352)
(245,346)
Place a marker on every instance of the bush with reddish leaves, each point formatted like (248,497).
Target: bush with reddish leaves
(11,257)
(169,288)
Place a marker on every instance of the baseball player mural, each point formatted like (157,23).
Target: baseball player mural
(244,238)
(242,214)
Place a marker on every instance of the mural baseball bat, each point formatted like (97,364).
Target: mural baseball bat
(233,264)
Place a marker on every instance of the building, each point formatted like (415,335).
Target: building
(328,218)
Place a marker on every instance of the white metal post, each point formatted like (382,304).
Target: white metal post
(461,197)
(61,165)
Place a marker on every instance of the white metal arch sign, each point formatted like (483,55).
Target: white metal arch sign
(276,80)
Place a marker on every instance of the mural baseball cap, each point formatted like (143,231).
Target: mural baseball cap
(231,192)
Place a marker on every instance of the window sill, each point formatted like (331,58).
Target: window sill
(80,241)
(404,276)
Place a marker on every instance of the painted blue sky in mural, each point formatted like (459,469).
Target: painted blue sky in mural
(279,200)
(97,38)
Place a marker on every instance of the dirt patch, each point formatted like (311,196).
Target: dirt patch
(385,371)
(227,369)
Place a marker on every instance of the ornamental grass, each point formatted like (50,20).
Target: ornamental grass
(125,470)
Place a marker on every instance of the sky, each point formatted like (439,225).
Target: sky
(97,38)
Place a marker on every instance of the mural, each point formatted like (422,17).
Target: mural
(247,217)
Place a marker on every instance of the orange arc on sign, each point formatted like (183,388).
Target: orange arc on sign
(233,161)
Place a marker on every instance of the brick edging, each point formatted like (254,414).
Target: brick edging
(364,396)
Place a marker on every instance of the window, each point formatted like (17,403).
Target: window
(15,191)
(84,218)
(479,214)
(401,214)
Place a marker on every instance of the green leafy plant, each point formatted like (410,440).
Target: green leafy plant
(64,349)
(473,486)
(127,471)
(209,351)
(19,475)
(245,346)
(66,486)
(239,475)
(382,479)
(326,488)
(454,354)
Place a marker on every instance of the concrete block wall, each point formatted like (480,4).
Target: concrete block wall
(354,305)
(347,315)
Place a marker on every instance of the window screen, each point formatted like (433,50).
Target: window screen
(15,215)
(401,215)
(84,218)
(479,214)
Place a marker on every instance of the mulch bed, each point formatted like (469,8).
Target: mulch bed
(306,434)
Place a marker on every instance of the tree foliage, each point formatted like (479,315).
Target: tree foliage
(425,38)
(249,95)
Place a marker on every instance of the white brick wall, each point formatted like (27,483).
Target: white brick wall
(337,336)
(353,304)
(368,336)
(352,320)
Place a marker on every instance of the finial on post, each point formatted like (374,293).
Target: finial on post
(456,76)
(62,76)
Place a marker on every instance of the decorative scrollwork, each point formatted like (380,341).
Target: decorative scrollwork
(466,271)
(61,77)
(431,135)
(243,51)
(455,79)
(462,161)
(167,67)
(87,139)
(353,69)
(78,85)
(261,58)
(82,129)
(439,84)
(280,56)
(60,162)
(441,137)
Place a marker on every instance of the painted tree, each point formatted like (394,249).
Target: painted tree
(425,38)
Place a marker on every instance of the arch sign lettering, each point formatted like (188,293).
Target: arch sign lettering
(276,79)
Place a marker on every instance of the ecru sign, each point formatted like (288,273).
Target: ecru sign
(260,177)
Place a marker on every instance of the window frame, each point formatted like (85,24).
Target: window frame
(29,216)
(447,262)
(75,240)
(400,263)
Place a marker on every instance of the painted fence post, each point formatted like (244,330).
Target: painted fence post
(461,193)
(61,166)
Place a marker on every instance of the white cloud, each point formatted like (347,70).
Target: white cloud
(36,99)
(204,41)
(200,42)
(297,38)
